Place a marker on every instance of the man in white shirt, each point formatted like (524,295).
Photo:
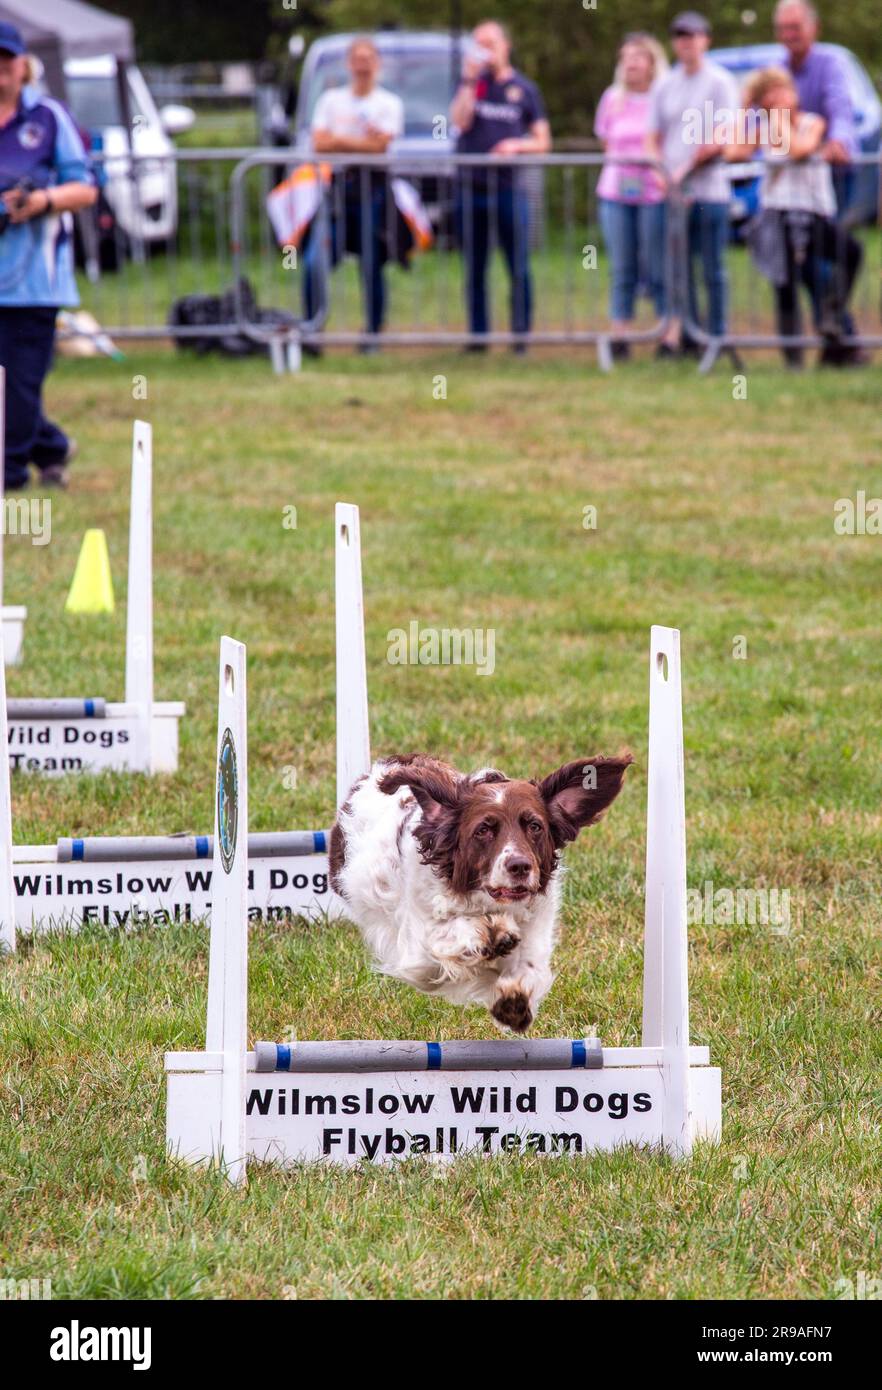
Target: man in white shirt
(691,111)
(361,118)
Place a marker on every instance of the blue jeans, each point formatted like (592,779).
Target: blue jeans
(708,234)
(337,228)
(27,338)
(635,239)
(506,210)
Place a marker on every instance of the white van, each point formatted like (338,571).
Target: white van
(142,197)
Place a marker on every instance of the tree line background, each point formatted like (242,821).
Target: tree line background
(567,48)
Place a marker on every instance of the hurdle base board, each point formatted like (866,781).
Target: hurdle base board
(59,746)
(13,634)
(124,894)
(438,1115)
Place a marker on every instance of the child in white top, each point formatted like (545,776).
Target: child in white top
(796,237)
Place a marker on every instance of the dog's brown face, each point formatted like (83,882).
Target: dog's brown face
(488,833)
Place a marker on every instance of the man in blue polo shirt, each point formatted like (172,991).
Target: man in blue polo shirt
(44,177)
(497,111)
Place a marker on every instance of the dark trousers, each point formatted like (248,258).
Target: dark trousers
(27,336)
(826,259)
(338,227)
(504,211)
(707,231)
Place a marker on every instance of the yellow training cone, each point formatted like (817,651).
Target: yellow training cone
(92,587)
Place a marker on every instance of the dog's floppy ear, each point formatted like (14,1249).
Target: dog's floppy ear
(435,794)
(578,793)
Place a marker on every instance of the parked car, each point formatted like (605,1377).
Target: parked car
(857,188)
(142,197)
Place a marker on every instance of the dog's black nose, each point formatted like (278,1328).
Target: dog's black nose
(518,866)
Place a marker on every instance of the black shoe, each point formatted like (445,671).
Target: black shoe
(476,347)
(312,350)
(369,349)
(58,474)
(668,351)
(621,352)
(855,357)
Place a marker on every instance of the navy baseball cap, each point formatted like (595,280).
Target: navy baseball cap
(690,22)
(11,40)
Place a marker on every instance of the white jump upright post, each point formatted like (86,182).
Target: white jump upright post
(353,731)
(7,885)
(12,620)
(93,734)
(139,606)
(226,1031)
(665,967)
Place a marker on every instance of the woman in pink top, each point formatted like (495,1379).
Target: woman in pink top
(632,196)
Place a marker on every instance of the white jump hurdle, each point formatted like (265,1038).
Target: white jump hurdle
(93,734)
(13,618)
(344,1102)
(127,881)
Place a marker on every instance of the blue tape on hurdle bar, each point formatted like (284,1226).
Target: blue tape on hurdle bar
(318,841)
(202,847)
(78,850)
(359,1055)
(90,709)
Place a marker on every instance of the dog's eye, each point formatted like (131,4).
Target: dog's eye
(535,827)
(484,831)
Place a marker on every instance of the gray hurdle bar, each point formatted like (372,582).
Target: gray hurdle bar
(272,844)
(68,708)
(529,1054)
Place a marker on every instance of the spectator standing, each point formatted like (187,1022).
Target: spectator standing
(44,176)
(685,110)
(499,111)
(632,196)
(822,88)
(360,118)
(796,231)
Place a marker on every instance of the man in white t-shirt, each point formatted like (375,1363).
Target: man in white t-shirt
(361,118)
(692,110)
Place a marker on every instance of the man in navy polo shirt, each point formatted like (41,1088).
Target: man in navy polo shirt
(44,177)
(497,111)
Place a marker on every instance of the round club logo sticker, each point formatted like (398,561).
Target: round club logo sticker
(30,135)
(227,800)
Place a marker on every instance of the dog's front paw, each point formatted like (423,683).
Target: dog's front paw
(512,1010)
(501,934)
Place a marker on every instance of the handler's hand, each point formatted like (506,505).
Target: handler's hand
(23,206)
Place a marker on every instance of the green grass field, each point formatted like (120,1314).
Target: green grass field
(714,515)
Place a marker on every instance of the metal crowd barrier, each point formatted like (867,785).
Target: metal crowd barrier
(195,223)
(222,238)
(551,219)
